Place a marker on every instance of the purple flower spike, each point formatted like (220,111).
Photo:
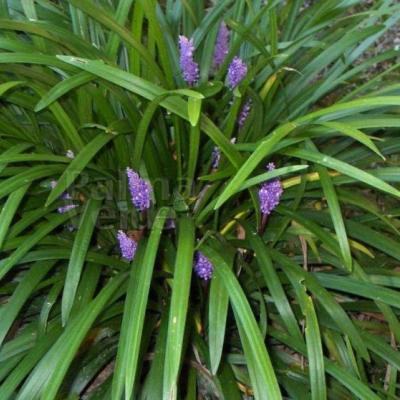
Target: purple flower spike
(127,245)
(203,266)
(215,157)
(244,113)
(189,68)
(221,46)
(236,72)
(140,190)
(270,193)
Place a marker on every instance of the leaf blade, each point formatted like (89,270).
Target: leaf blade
(78,256)
(178,307)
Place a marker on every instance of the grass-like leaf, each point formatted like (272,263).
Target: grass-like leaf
(178,307)
(78,255)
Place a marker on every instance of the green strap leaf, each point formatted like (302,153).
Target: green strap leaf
(121,16)
(315,353)
(194,110)
(99,14)
(78,255)
(38,172)
(44,382)
(263,149)
(9,210)
(266,385)
(135,310)
(178,307)
(336,215)
(143,128)
(381,348)
(217,314)
(353,133)
(62,88)
(32,157)
(274,285)
(344,168)
(33,239)
(360,288)
(271,174)
(4,87)
(352,107)
(28,362)
(9,311)
(353,383)
(65,122)
(150,91)
(77,165)
(326,300)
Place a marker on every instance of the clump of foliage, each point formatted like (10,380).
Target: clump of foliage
(198,200)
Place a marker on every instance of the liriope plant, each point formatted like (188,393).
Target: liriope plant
(199,200)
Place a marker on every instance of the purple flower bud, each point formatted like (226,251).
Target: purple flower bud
(215,157)
(140,190)
(189,68)
(244,113)
(70,228)
(170,224)
(221,46)
(70,154)
(68,207)
(64,196)
(127,245)
(203,266)
(270,193)
(236,72)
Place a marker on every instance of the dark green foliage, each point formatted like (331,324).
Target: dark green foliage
(302,305)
